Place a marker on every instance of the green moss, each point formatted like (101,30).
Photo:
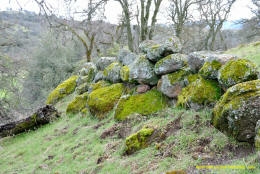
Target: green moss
(124,73)
(210,69)
(62,90)
(237,71)
(202,92)
(192,77)
(138,140)
(99,84)
(110,67)
(177,76)
(233,98)
(103,100)
(144,104)
(78,104)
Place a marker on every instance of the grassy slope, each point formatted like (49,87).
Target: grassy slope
(250,51)
(72,144)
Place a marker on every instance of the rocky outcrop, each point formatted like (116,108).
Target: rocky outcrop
(112,72)
(42,116)
(237,112)
(237,71)
(62,90)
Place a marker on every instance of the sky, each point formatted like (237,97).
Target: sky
(239,10)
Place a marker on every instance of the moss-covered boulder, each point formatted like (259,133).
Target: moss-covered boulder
(82,88)
(99,84)
(156,51)
(102,100)
(237,71)
(62,90)
(210,70)
(126,57)
(237,112)
(88,69)
(142,71)
(171,63)
(77,104)
(138,140)
(144,104)
(257,137)
(172,84)
(103,62)
(199,94)
(124,73)
(112,72)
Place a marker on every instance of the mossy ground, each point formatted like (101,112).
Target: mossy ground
(73,145)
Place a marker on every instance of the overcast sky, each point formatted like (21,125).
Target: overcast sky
(239,10)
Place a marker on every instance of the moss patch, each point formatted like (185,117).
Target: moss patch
(62,90)
(210,69)
(144,104)
(124,73)
(103,100)
(99,84)
(201,92)
(237,71)
(78,104)
(178,76)
(138,140)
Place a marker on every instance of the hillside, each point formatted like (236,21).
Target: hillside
(82,143)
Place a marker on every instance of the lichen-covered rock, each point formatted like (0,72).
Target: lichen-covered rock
(138,140)
(199,94)
(62,90)
(102,100)
(99,84)
(77,104)
(88,69)
(237,112)
(172,84)
(99,76)
(146,103)
(237,71)
(82,88)
(103,62)
(156,51)
(142,71)
(126,57)
(124,73)
(171,63)
(197,59)
(112,72)
(210,70)
(257,137)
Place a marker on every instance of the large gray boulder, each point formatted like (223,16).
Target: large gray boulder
(126,57)
(142,71)
(156,51)
(99,76)
(103,62)
(237,112)
(171,63)
(112,72)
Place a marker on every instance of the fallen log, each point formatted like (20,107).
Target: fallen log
(42,116)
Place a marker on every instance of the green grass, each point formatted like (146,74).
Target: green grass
(250,51)
(72,144)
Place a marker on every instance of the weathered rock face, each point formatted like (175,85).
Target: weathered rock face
(170,64)
(199,94)
(62,90)
(172,84)
(103,62)
(42,116)
(88,69)
(257,137)
(197,59)
(237,112)
(126,57)
(142,71)
(78,104)
(99,76)
(112,72)
(102,100)
(237,71)
(144,104)
(138,140)
(155,51)
(210,70)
